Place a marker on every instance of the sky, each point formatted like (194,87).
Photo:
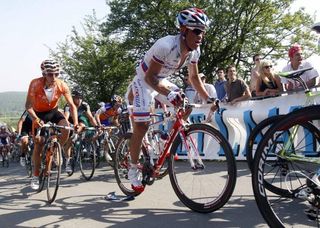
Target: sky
(28,28)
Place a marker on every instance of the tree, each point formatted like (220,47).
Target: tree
(98,65)
(239,28)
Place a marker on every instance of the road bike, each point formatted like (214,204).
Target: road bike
(106,144)
(286,163)
(51,159)
(201,164)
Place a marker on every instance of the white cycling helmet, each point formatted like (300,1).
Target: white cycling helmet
(193,18)
(50,66)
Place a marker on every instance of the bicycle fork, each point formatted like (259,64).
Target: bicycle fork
(192,152)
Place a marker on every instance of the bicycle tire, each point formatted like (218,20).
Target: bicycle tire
(42,171)
(206,137)
(283,210)
(122,161)
(73,160)
(54,172)
(262,126)
(87,159)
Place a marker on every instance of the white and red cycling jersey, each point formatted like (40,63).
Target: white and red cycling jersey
(165,51)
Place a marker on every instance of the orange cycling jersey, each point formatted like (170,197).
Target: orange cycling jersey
(108,113)
(36,92)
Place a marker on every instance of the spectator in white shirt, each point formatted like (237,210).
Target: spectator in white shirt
(209,88)
(310,77)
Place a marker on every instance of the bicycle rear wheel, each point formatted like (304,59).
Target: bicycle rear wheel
(54,170)
(205,174)
(282,181)
(87,159)
(122,161)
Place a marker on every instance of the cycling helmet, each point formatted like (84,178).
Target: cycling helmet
(50,66)
(3,128)
(116,99)
(193,18)
(316,27)
(76,93)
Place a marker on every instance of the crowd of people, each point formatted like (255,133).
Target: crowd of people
(264,81)
(164,58)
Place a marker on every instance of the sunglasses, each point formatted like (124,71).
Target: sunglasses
(196,31)
(52,74)
(258,59)
(267,67)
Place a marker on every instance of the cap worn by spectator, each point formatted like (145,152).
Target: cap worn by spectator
(294,49)
(202,76)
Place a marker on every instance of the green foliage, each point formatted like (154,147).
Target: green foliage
(102,61)
(239,28)
(12,103)
(99,65)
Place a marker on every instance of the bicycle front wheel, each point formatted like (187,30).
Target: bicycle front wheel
(54,171)
(205,174)
(285,162)
(87,160)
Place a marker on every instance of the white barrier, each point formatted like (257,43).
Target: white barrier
(237,121)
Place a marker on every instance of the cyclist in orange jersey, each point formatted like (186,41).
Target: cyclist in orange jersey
(42,105)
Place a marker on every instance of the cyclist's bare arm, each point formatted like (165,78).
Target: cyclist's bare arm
(152,80)
(29,108)
(19,126)
(97,117)
(193,76)
(91,118)
(73,108)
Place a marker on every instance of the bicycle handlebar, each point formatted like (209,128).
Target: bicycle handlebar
(295,73)
(52,125)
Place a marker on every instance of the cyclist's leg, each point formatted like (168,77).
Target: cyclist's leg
(38,146)
(24,148)
(141,116)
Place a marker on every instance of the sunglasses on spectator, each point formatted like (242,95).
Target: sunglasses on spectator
(267,67)
(257,59)
(52,74)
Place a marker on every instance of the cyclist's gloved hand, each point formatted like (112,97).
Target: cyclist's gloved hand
(175,98)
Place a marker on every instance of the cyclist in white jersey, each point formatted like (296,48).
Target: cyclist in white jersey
(167,56)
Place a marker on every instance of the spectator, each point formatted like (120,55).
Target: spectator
(254,74)
(296,62)
(268,84)
(219,85)
(189,90)
(236,88)
(209,88)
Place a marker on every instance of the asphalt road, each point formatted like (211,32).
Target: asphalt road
(81,204)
